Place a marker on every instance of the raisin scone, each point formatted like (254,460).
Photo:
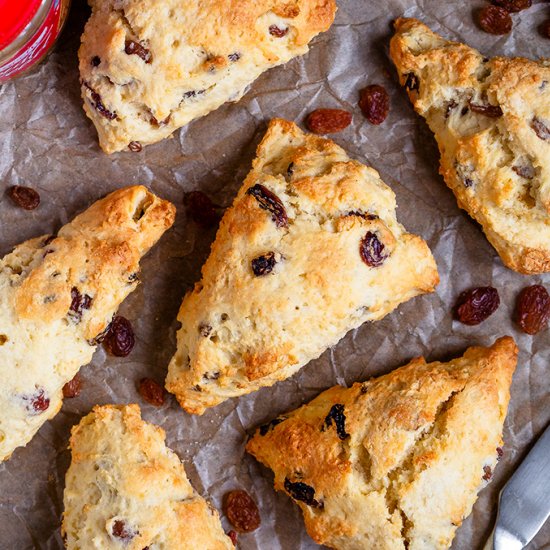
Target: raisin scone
(310,249)
(58,294)
(148,68)
(126,489)
(394,463)
(491,119)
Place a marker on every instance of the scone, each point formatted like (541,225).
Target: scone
(491,119)
(126,489)
(310,249)
(148,67)
(58,294)
(394,463)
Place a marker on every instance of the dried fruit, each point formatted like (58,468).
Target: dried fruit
(336,415)
(477,304)
(122,531)
(372,250)
(276,31)
(302,492)
(491,111)
(151,391)
(328,121)
(533,309)
(262,265)
(135,48)
(412,82)
(37,402)
(375,103)
(25,197)
(487,473)
(73,388)
(241,511)
(201,209)
(270,202)
(234,57)
(99,107)
(500,453)
(96,61)
(135,146)
(541,129)
(513,5)
(205,330)
(265,428)
(119,340)
(79,302)
(233,536)
(495,20)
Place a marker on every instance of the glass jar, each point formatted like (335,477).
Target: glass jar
(28,29)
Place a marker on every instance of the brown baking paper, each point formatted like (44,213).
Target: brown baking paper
(47,142)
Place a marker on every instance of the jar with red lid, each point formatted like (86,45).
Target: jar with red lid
(28,29)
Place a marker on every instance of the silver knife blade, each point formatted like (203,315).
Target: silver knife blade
(524,504)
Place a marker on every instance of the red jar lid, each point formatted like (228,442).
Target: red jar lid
(16,15)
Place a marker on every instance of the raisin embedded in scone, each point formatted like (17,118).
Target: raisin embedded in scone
(148,68)
(491,119)
(394,463)
(58,294)
(126,489)
(310,249)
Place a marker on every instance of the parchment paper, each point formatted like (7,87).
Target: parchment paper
(47,142)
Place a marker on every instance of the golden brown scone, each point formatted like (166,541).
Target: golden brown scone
(148,68)
(58,293)
(396,462)
(288,276)
(491,119)
(126,490)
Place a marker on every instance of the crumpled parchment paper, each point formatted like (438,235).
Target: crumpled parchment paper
(47,142)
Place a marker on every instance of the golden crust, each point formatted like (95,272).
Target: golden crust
(241,331)
(402,465)
(122,472)
(497,166)
(200,54)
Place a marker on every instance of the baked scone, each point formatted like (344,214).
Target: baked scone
(148,68)
(58,294)
(491,119)
(394,463)
(126,489)
(310,249)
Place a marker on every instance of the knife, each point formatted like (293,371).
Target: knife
(524,503)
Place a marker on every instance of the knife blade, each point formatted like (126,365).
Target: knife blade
(524,503)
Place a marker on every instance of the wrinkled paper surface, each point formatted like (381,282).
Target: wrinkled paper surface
(47,142)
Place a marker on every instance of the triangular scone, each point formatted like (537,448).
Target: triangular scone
(126,489)
(149,67)
(310,249)
(58,293)
(491,119)
(394,463)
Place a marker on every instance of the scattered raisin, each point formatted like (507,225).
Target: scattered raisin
(328,121)
(372,250)
(270,202)
(265,428)
(241,511)
(100,108)
(500,453)
(233,536)
(24,197)
(274,30)
(201,209)
(193,93)
(412,82)
(135,146)
(79,302)
(302,492)
(375,103)
(526,171)
(95,61)
(37,403)
(73,388)
(119,340)
(513,5)
(262,265)
(135,48)
(477,304)
(205,330)
(541,129)
(336,415)
(494,20)
(151,391)
(533,309)
(234,57)
(491,111)
(121,531)
(487,473)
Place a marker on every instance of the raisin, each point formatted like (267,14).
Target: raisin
(24,197)
(302,492)
(263,265)
(487,473)
(119,340)
(477,304)
(372,250)
(122,531)
(500,453)
(201,209)
(328,121)
(234,57)
(233,536)
(211,375)
(276,31)
(513,5)
(79,302)
(533,309)
(412,82)
(96,61)
(241,511)
(369,217)
(135,146)
(375,103)
(468,182)
(491,111)
(205,330)
(527,171)
(336,415)
(135,48)
(265,428)
(270,202)
(37,403)
(541,129)
(100,108)
(193,93)
(73,388)
(155,122)
(494,20)
(151,391)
